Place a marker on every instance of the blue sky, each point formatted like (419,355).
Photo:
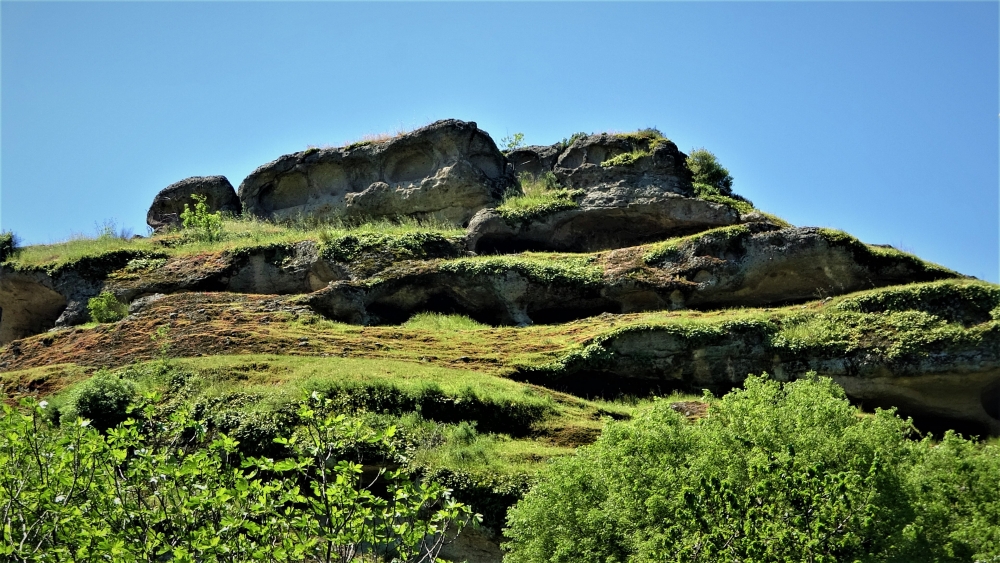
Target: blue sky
(880,119)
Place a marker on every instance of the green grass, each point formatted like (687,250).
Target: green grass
(539,197)
(670,249)
(441,322)
(540,267)
(238,234)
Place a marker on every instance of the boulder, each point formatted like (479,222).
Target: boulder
(623,189)
(168,205)
(445,171)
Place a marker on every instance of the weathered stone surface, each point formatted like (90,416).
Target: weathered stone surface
(623,223)
(447,171)
(169,203)
(646,198)
(749,265)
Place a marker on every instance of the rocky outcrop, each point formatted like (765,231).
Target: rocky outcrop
(35,300)
(169,203)
(590,227)
(447,171)
(752,265)
(626,189)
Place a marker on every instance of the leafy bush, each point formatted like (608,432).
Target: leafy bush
(104,400)
(626,159)
(161,490)
(199,224)
(106,308)
(707,170)
(774,473)
(9,245)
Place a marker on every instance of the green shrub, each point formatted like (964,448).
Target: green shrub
(199,224)
(106,308)
(775,473)
(9,245)
(165,490)
(512,142)
(707,170)
(104,400)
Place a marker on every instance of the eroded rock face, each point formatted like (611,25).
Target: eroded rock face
(446,171)
(631,190)
(169,203)
(596,227)
(751,266)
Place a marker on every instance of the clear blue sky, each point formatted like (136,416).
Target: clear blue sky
(880,119)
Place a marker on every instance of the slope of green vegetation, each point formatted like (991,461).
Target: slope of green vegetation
(345,241)
(775,473)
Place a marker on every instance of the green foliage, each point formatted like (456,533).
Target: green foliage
(9,245)
(350,247)
(540,196)
(199,224)
(106,308)
(713,194)
(670,249)
(105,400)
(512,142)
(153,490)
(144,264)
(441,322)
(774,473)
(547,268)
(566,142)
(707,170)
(626,159)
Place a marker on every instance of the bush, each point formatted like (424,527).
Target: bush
(106,308)
(199,224)
(104,400)
(707,170)
(9,245)
(774,473)
(165,490)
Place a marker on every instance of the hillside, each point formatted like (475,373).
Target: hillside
(498,307)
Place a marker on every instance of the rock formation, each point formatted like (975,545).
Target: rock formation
(169,203)
(625,189)
(446,171)
(632,235)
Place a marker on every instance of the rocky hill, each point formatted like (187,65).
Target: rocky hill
(529,293)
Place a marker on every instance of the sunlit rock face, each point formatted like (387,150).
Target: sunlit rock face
(446,171)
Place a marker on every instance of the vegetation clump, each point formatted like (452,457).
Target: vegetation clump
(9,245)
(541,267)
(774,473)
(540,196)
(199,223)
(105,400)
(106,308)
(154,489)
